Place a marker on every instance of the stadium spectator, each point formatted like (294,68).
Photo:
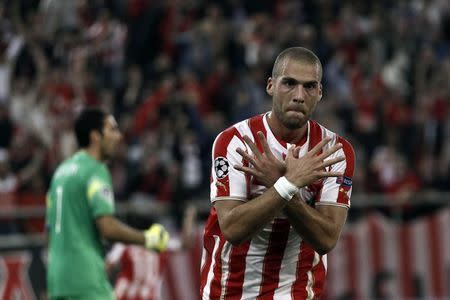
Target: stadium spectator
(135,56)
(9,185)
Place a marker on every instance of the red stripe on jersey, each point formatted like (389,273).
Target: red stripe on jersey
(211,229)
(220,150)
(256,124)
(348,172)
(305,262)
(319,274)
(237,271)
(405,255)
(273,258)
(216,287)
(435,257)
(128,263)
(171,281)
(315,136)
(377,251)
(195,258)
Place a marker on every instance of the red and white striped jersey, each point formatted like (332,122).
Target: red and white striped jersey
(276,263)
(141,272)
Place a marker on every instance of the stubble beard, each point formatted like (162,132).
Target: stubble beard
(290,123)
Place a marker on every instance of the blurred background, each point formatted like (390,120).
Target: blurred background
(176,72)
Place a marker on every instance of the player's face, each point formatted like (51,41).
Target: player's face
(295,93)
(111,137)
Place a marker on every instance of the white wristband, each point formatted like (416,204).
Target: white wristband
(285,188)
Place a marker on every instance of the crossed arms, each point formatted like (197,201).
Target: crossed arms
(320,226)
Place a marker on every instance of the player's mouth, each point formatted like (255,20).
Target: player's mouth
(296,112)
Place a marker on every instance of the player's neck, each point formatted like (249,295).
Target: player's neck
(291,136)
(93,152)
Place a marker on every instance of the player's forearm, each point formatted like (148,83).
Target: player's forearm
(114,230)
(244,221)
(320,231)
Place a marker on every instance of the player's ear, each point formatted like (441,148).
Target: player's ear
(94,136)
(269,86)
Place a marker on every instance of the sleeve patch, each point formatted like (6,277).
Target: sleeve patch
(344,181)
(221,167)
(104,191)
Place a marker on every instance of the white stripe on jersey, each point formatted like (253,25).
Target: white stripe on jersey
(226,251)
(309,285)
(236,189)
(288,270)
(254,263)
(244,129)
(207,289)
(203,260)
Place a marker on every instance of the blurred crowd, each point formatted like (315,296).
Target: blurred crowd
(176,72)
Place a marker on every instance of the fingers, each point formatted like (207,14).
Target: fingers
(319,146)
(329,162)
(252,146)
(330,151)
(265,145)
(249,158)
(292,152)
(324,174)
(246,170)
(297,151)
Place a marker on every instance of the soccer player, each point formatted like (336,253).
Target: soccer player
(141,272)
(280,190)
(80,208)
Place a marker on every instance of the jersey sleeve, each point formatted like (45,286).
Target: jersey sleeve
(226,181)
(337,191)
(100,193)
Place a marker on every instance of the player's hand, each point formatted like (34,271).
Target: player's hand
(305,170)
(156,238)
(264,167)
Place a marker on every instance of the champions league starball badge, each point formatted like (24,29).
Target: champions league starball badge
(221,166)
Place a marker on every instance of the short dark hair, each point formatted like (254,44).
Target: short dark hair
(298,54)
(88,120)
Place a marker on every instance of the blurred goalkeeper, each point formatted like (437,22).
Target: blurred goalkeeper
(80,208)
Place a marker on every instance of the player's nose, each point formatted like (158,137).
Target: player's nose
(119,136)
(299,93)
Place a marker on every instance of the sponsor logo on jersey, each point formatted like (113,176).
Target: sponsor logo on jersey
(345,181)
(221,167)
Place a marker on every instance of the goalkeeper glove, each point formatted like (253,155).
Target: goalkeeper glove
(156,238)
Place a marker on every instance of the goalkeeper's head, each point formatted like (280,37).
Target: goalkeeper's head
(97,132)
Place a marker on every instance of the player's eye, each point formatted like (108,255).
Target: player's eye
(289,82)
(310,85)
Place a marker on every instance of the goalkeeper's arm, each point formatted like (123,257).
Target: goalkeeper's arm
(154,238)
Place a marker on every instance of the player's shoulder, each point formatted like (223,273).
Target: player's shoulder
(320,131)
(239,129)
(67,167)
(88,166)
(323,132)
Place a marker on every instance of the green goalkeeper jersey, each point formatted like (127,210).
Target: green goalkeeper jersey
(80,191)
